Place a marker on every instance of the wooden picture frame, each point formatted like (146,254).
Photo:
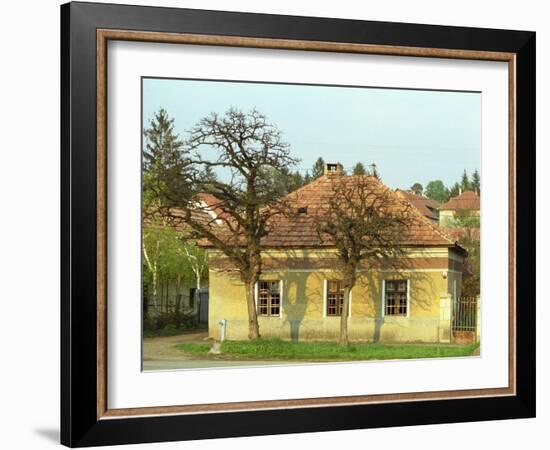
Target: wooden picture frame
(85,417)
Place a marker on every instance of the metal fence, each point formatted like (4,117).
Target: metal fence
(464,319)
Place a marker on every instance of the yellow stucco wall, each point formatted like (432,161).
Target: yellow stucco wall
(303,306)
(447,217)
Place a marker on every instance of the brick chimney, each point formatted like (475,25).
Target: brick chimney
(334,169)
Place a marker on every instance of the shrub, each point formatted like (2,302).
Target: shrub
(170,330)
(169,324)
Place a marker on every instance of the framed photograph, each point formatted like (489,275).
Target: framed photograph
(278,224)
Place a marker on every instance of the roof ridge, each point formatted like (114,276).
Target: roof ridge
(464,196)
(434,227)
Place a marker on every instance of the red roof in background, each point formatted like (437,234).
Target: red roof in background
(459,233)
(300,229)
(467,200)
(212,203)
(426,206)
(175,218)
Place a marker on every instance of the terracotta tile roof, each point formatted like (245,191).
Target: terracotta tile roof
(206,213)
(175,217)
(459,233)
(208,210)
(426,206)
(212,203)
(467,200)
(200,215)
(299,230)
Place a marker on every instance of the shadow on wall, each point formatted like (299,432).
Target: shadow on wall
(295,308)
(303,293)
(424,293)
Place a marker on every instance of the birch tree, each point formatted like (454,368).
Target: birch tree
(156,246)
(196,261)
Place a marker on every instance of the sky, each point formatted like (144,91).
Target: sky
(411,135)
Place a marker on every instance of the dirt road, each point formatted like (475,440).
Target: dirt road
(160,353)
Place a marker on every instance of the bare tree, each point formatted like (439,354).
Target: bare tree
(240,146)
(365,221)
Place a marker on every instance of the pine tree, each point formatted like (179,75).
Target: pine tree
(297,181)
(465,182)
(476,182)
(163,146)
(455,190)
(208,175)
(166,165)
(318,168)
(359,169)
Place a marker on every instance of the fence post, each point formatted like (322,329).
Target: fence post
(445,305)
(478,318)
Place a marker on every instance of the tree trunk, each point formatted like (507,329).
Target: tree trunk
(155,294)
(253,328)
(162,303)
(153,269)
(344,318)
(178,300)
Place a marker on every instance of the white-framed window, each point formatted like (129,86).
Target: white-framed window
(333,300)
(269,298)
(395,297)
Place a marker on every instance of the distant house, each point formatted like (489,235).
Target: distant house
(467,203)
(183,292)
(426,206)
(299,295)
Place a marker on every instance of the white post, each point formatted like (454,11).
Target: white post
(223,323)
(445,318)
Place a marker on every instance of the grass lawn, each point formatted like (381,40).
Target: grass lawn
(275,349)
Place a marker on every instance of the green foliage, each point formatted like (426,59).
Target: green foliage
(276,349)
(437,191)
(194,348)
(168,255)
(166,165)
(465,219)
(170,330)
(472,264)
(455,190)
(283,181)
(163,245)
(417,188)
(476,182)
(208,177)
(465,182)
(169,324)
(318,168)
(359,169)
(296,181)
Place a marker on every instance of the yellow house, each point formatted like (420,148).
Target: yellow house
(465,203)
(299,295)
